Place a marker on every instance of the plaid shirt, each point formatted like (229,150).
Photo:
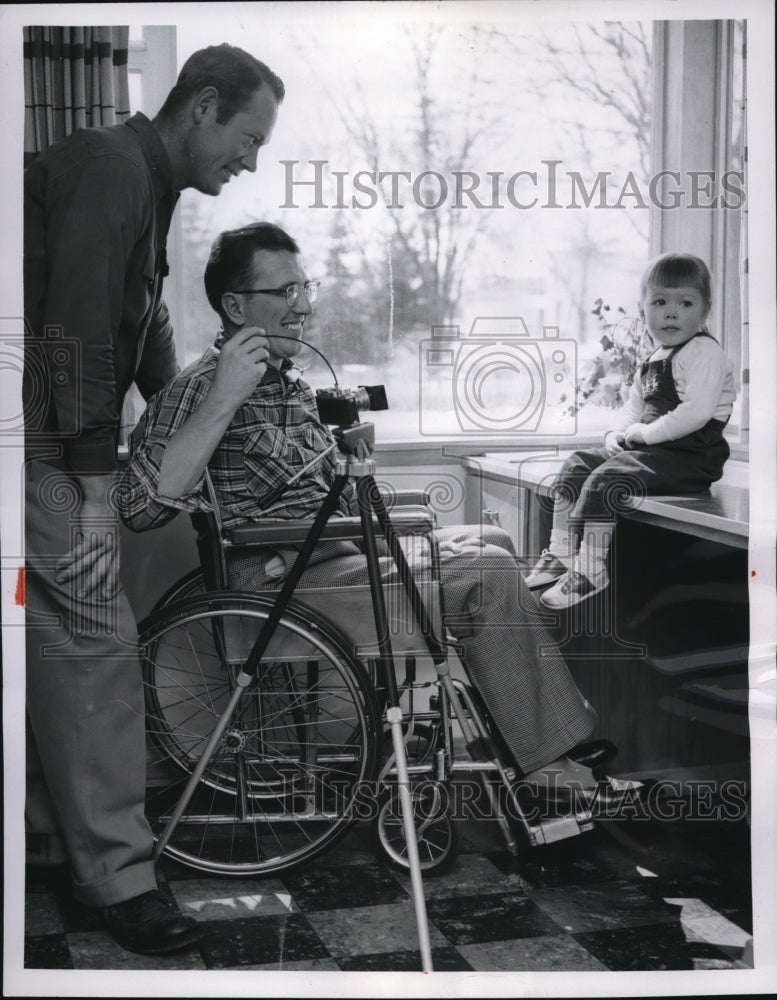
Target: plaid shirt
(271,437)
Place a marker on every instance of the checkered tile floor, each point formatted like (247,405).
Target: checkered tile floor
(623,897)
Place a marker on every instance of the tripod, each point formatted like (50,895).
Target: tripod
(355,444)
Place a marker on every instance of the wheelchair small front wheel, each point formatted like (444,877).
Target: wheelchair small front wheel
(437,835)
(420,743)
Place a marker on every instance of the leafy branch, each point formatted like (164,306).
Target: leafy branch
(609,374)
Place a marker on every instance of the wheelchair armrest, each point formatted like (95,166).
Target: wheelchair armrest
(404,498)
(405,521)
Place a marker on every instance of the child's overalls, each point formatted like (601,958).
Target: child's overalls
(598,485)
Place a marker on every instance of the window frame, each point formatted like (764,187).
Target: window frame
(154,59)
(683,105)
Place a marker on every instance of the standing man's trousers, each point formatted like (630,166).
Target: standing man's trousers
(86,763)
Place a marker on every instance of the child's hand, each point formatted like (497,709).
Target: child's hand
(634,435)
(613,442)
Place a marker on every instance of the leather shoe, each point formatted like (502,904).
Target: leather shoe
(149,925)
(593,754)
(603,800)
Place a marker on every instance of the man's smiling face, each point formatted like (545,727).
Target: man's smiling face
(282,323)
(217,151)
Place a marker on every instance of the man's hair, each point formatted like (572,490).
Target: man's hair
(674,270)
(230,264)
(235,74)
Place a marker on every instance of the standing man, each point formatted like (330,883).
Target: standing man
(98,207)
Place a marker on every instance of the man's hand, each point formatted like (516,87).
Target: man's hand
(463,542)
(241,365)
(419,554)
(91,567)
(634,435)
(613,443)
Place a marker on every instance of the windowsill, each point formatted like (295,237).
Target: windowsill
(720,514)
(479,446)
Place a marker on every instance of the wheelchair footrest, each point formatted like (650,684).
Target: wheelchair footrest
(549,831)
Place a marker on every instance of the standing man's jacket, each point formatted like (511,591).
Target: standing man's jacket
(97,209)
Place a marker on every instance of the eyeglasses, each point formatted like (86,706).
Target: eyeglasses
(290,291)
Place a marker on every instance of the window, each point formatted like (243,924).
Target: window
(440,175)
(496,179)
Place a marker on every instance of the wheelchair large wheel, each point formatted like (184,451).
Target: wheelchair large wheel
(299,752)
(192,584)
(437,836)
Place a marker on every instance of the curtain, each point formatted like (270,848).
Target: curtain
(73,78)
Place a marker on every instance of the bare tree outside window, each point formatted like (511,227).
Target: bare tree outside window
(443,175)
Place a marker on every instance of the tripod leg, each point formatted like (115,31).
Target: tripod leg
(394,717)
(407,580)
(366,492)
(243,680)
(328,507)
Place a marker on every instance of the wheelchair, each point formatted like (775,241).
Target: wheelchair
(306,753)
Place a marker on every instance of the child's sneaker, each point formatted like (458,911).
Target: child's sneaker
(571,589)
(547,569)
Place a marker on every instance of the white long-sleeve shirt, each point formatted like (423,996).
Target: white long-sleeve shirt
(704,379)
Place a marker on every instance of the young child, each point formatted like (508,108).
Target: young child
(667,439)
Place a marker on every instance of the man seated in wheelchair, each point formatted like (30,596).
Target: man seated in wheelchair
(243,411)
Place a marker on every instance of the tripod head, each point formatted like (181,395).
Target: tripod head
(355,441)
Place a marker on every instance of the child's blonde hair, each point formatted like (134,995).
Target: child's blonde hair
(671,270)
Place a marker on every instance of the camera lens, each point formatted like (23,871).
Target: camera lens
(361,398)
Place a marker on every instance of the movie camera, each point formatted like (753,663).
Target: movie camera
(341,406)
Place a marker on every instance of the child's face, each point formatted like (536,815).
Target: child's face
(674,315)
